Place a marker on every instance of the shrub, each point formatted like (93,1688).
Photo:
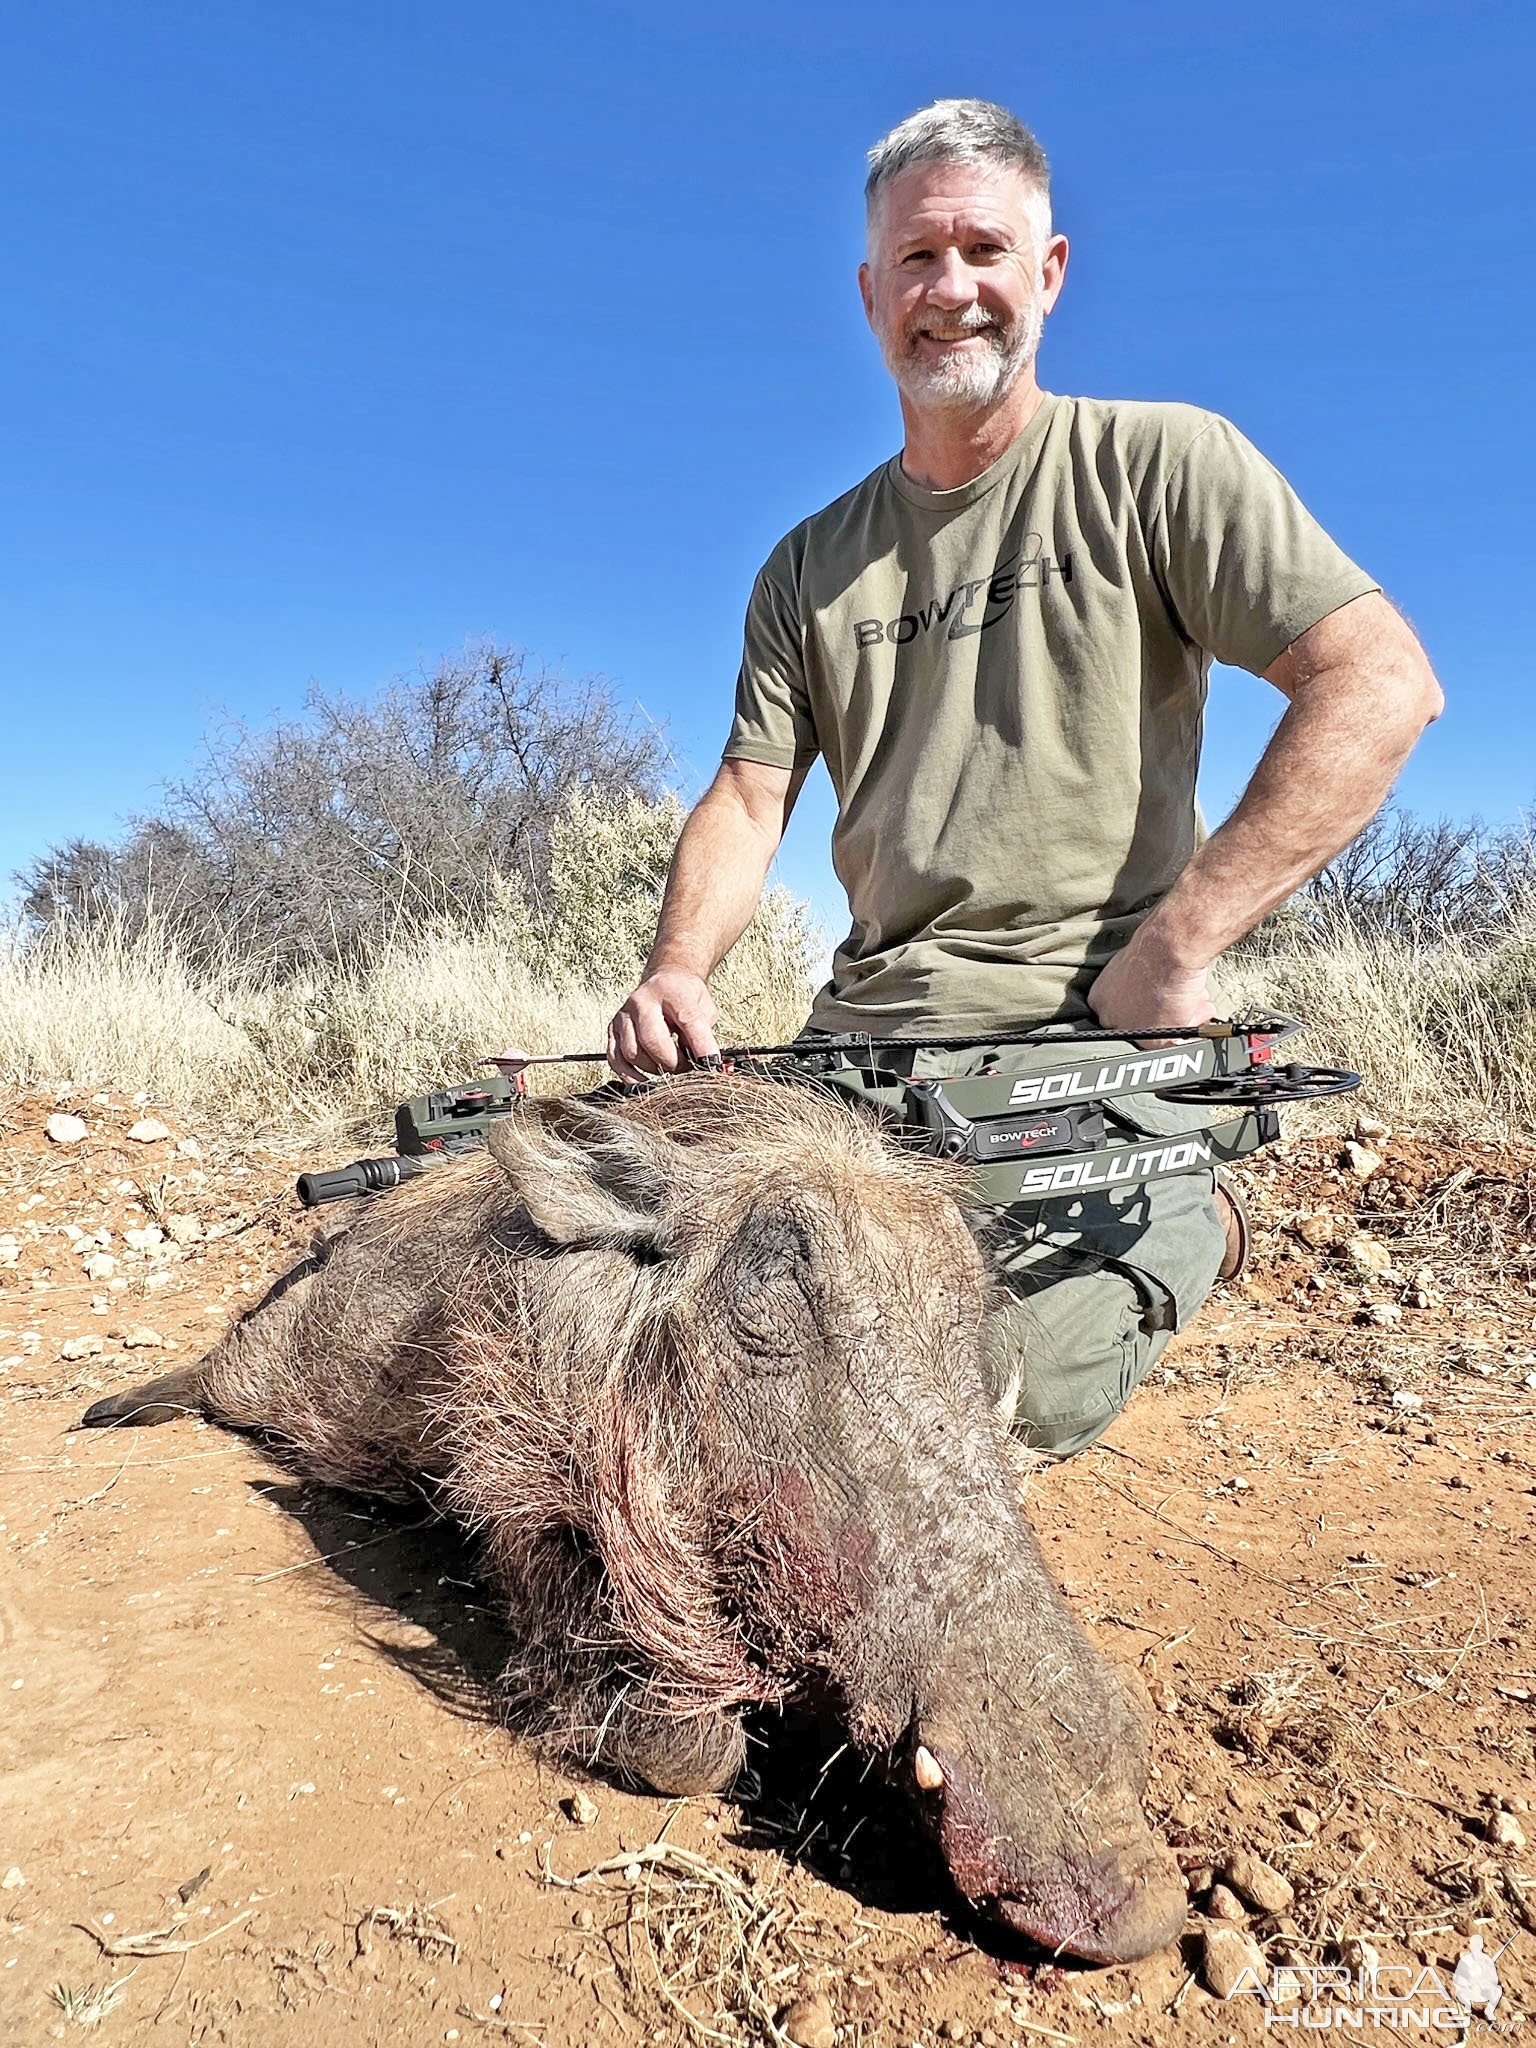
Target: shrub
(303,844)
(330,1047)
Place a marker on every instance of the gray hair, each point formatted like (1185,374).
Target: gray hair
(961,132)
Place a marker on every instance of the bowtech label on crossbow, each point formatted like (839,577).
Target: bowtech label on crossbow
(1075,1120)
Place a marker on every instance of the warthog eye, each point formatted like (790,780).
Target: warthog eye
(765,1282)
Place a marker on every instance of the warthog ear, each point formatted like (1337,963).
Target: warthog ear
(587,1178)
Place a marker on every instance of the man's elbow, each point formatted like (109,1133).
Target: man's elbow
(1418,687)
(760,798)
(1412,685)
(1430,698)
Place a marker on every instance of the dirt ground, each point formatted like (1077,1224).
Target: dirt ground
(252,1790)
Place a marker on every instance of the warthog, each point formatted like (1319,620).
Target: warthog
(700,1372)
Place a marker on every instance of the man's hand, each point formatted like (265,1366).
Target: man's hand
(671,1012)
(1138,988)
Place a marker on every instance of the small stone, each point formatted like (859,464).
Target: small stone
(1229,1957)
(1361,1160)
(100,1266)
(65,1130)
(184,1228)
(1303,1819)
(1224,1904)
(580,1809)
(149,1131)
(632,1873)
(1317,1229)
(1359,1955)
(809,2023)
(1199,1879)
(1163,1696)
(1368,1255)
(143,1338)
(12,1880)
(954,2030)
(189,1148)
(1385,1315)
(1404,1400)
(1371,1128)
(145,1238)
(582,1917)
(1505,1832)
(1258,1882)
(73,1349)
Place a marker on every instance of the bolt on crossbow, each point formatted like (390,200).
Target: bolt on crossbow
(1055,1132)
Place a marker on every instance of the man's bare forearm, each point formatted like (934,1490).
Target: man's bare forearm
(1361,694)
(716,878)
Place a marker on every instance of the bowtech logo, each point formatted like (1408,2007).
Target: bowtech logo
(1027,567)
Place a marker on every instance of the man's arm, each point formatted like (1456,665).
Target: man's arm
(713,887)
(1361,691)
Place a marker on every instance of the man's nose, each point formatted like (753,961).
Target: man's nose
(952,286)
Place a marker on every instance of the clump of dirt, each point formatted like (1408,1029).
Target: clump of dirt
(252,1789)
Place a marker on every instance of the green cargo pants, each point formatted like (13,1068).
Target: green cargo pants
(1093,1287)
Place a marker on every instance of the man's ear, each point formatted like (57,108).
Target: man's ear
(588,1179)
(867,293)
(1053,269)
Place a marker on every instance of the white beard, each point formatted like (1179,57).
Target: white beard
(968,379)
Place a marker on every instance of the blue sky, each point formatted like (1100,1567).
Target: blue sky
(333,336)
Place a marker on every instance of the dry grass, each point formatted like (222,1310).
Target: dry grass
(87,2005)
(100,1006)
(704,1948)
(1443,1030)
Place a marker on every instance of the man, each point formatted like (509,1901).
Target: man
(999,641)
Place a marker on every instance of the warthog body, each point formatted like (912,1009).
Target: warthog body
(700,1372)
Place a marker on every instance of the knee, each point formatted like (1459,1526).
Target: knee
(1076,1352)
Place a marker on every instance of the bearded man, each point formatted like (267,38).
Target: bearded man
(999,642)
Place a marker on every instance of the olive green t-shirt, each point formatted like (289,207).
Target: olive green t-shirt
(1007,681)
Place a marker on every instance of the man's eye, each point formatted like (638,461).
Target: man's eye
(915,256)
(987,250)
